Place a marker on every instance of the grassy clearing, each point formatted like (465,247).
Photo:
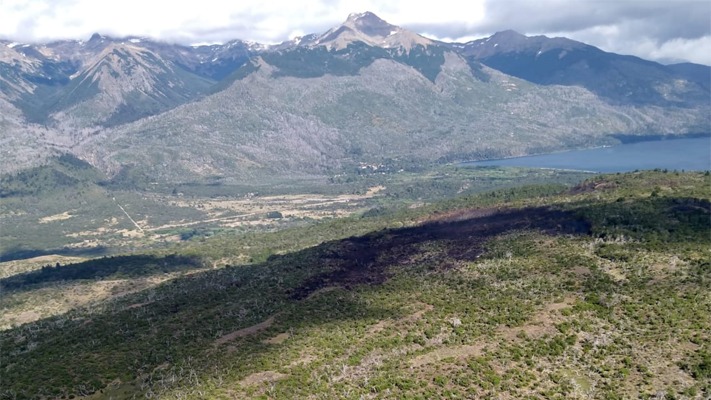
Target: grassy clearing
(88,217)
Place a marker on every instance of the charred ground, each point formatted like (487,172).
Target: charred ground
(464,233)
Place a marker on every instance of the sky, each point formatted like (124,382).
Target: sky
(661,30)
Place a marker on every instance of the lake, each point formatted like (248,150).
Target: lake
(690,154)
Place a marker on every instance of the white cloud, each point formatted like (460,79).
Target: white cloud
(683,49)
(615,40)
(270,21)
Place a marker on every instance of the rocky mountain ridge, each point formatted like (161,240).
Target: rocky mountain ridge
(364,91)
(617,78)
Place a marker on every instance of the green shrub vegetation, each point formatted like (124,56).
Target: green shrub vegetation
(601,290)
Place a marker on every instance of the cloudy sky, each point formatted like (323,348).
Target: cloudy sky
(662,30)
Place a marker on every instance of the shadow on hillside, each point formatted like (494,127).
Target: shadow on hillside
(103,268)
(21,254)
(649,220)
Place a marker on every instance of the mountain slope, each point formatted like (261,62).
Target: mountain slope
(700,74)
(23,144)
(355,44)
(28,78)
(125,83)
(561,61)
(42,79)
(365,91)
(368,28)
(213,62)
(372,109)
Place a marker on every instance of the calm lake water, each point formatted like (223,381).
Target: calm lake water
(692,154)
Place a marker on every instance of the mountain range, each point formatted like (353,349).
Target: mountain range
(363,93)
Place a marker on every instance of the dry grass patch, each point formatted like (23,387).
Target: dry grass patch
(59,298)
(278,339)
(55,217)
(542,323)
(417,315)
(10,268)
(306,357)
(250,330)
(252,210)
(258,378)
(138,305)
(19,318)
(456,352)
(322,291)
(378,327)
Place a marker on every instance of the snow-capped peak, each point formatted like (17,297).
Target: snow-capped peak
(368,28)
(357,16)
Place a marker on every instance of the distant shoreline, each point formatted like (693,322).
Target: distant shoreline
(623,138)
(628,139)
(688,152)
